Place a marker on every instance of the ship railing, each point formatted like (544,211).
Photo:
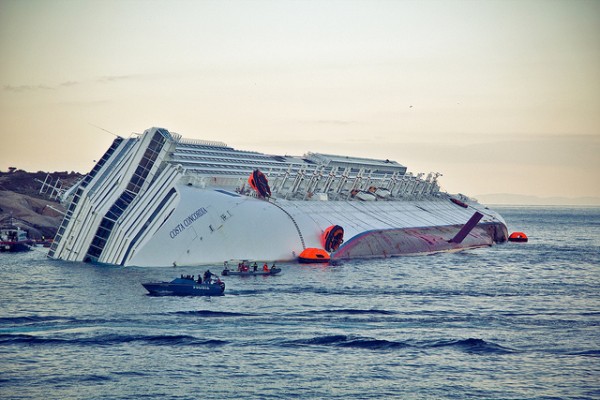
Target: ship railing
(201,142)
(305,184)
(176,137)
(202,181)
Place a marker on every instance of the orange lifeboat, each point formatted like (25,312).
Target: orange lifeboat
(332,238)
(313,255)
(458,202)
(258,181)
(517,237)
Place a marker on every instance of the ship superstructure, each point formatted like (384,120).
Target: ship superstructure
(157,199)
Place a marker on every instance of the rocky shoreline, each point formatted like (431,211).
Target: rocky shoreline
(22,204)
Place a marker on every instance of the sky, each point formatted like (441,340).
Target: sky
(498,96)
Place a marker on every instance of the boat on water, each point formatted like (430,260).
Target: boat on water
(157,199)
(14,239)
(518,237)
(251,272)
(314,255)
(186,286)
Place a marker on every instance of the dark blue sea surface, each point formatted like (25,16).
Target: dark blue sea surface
(514,321)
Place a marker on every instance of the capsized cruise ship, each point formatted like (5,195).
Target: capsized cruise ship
(157,199)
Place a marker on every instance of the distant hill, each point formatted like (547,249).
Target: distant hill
(29,183)
(518,199)
(22,204)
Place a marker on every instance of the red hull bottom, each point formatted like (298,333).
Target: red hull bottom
(396,242)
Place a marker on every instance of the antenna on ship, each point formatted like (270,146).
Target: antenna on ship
(105,130)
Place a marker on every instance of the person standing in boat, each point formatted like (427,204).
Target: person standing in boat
(207,276)
(266,267)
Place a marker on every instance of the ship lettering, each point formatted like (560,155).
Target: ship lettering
(194,216)
(176,231)
(189,220)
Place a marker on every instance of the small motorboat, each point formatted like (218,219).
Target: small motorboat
(186,286)
(13,239)
(251,272)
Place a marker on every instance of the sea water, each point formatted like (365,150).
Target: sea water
(514,321)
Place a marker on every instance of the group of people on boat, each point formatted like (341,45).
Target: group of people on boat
(245,267)
(207,277)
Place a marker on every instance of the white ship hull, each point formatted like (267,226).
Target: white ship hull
(168,215)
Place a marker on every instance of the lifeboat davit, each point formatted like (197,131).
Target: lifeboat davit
(363,195)
(518,237)
(258,181)
(313,255)
(332,238)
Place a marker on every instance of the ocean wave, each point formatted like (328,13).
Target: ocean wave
(353,311)
(588,353)
(207,313)
(110,339)
(307,290)
(321,340)
(77,379)
(252,292)
(8,339)
(374,291)
(350,342)
(448,293)
(470,345)
(374,344)
(32,319)
(473,345)
(55,320)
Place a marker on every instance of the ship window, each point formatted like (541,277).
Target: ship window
(103,232)
(148,222)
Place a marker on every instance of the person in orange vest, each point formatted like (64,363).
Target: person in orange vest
(266,268)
